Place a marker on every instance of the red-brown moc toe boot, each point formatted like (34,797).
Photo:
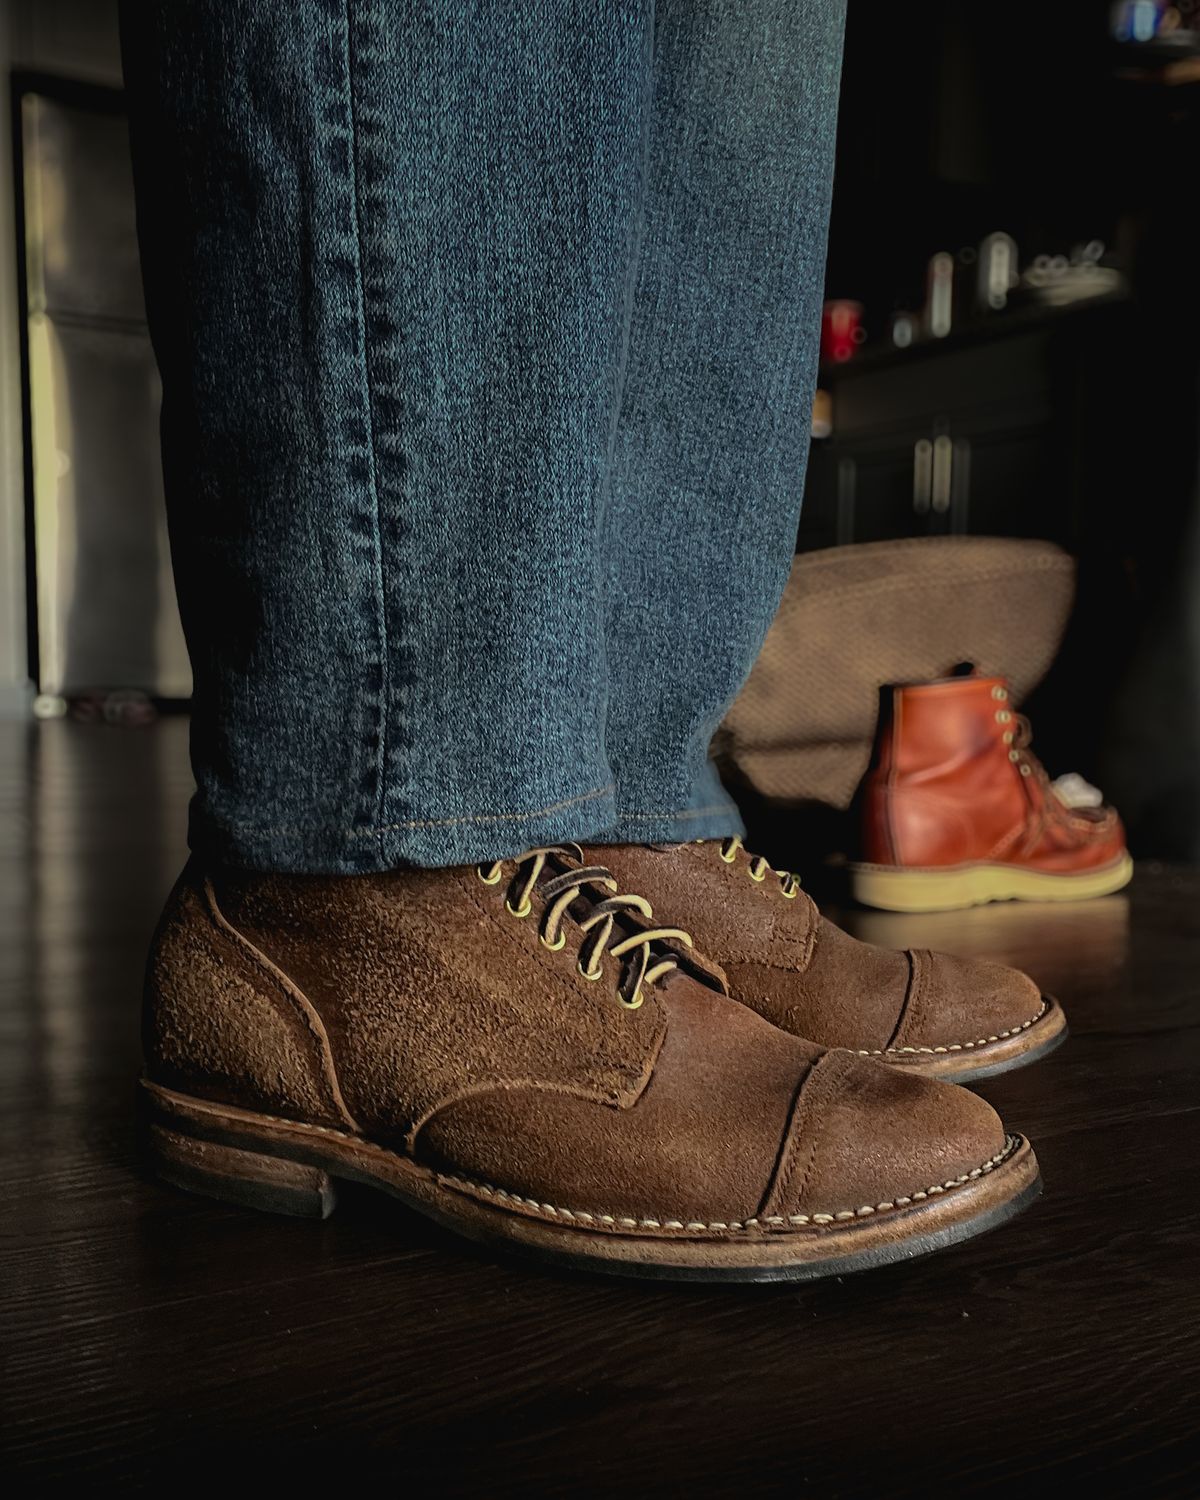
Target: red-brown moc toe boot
(957,811)
(929,1013)
(516,1052)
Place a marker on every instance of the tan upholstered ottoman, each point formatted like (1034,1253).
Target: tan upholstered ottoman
(853,618)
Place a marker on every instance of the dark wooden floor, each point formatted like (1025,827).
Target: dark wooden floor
(152,1337)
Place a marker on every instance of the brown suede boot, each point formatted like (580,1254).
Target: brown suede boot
(929,1013)
(517,1052)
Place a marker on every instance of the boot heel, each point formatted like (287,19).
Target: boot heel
(248,1178)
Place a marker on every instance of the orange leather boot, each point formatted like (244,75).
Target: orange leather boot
(957,811)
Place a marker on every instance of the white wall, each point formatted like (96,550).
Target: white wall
(73,39)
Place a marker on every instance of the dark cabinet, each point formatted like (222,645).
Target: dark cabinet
(1009,430)
(1016,484)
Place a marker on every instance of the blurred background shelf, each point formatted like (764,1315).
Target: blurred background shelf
(1002,430)
(1072,131)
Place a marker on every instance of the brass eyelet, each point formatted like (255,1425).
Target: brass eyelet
(1025,771)
(790,895)
(1008,736)
(730,857)
(1000,694)
(635,1003)
(490,879)
(1003,717)
(1013,755)
(760,877)
(588,975)
(523,910)
(553,947)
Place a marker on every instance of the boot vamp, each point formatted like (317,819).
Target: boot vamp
(1072,842)
(780,956)
(809,977)
(740,1122)
(884,1002)
(701,1140)
(847,993)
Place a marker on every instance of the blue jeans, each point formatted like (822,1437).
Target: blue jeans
(488,338)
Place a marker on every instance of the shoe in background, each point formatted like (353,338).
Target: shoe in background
(958,811)
(797,741)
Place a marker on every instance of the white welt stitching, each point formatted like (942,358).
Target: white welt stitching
(625,1221)
(956,1046)
(732,1225)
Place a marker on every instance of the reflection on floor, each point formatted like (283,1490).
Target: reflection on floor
(150,1336)
(1071,944)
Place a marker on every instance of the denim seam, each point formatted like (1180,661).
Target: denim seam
(377,521)
(633,268)
(503,817)
(694,812)
(498,817)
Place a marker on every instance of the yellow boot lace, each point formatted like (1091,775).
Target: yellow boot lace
(641,963)
(757,867)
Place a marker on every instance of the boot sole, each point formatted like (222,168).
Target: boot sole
(283,1166)
(986,1057)
(956,887)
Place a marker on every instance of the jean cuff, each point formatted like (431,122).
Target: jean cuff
(672,828)
(472,838)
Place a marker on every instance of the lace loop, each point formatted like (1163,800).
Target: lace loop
(1029,765)
(641,963)
(1051,808)
(758,868)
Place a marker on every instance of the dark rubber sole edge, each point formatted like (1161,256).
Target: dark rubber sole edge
(1023,1060)
(272,1199)
(968,1072)
(869,1260)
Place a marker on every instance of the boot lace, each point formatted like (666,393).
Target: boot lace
(642,962)
(758,867)
(1018,736)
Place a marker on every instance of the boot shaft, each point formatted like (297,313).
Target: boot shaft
(946,784)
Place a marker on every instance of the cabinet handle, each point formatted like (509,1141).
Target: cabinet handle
(922,475)
(943,467)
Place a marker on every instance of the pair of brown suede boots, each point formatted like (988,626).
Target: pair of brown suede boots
(535,1053)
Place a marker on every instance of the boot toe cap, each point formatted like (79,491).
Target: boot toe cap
(961,1004)
(882,1137)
